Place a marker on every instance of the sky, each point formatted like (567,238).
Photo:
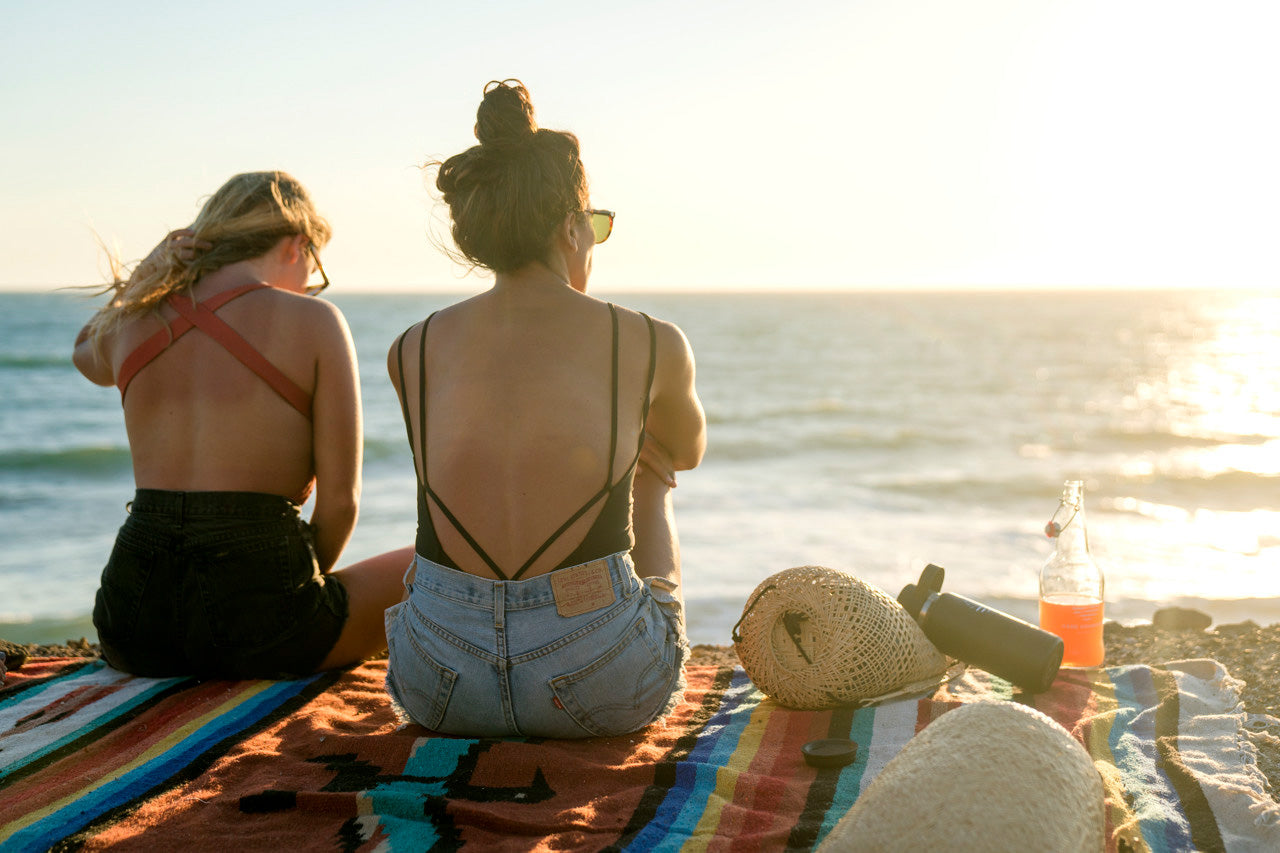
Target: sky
(744,145)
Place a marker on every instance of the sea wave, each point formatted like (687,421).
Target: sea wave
(968,487)
(25,360)
(1229,491)
(1147,437)
(82,461)
(1233,491)
(378,449)
(809,439)
(49,629)
(817,409)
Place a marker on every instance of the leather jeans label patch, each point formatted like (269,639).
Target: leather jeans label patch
(582,589)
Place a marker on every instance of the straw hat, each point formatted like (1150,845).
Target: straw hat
(990,776)
(813,637)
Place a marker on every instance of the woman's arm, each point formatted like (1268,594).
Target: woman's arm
(675,438)
(676,419)
(181,244)
(656,552)
(87,360)
(337,438)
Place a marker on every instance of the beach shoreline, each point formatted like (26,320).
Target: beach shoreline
(1249,651)
(711,622)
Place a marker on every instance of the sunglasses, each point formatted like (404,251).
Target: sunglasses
(601,223)
(315,289)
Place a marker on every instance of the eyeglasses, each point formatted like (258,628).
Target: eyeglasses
(601,223)
(315,289)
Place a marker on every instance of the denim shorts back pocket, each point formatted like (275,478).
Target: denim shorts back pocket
(256,587)
(419,684)
(662,592)
(623,689)
(118,604)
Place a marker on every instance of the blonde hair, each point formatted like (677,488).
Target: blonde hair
(244,219)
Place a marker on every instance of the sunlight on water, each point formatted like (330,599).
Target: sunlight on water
(1218,401)
(1263,459)
(868,432)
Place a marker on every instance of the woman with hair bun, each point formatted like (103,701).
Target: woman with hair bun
(532,608)
(240,395)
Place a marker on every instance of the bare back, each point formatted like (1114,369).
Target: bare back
(200,420)
(519,418)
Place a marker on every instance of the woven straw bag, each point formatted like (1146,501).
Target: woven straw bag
(813,638)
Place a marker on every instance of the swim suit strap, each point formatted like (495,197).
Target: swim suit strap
(215,327)
(648,385)
(404,401)
(162,339)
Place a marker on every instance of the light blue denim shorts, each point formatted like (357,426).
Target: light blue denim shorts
(485,658)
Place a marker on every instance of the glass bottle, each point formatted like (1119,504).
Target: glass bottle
(1071,584)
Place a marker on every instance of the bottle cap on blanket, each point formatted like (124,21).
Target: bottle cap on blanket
(813,637)
(988,776)
(829,752)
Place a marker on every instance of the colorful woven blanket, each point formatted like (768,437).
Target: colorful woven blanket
(92,758)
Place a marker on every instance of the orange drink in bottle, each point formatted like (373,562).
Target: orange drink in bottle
(1077,620)
(1071,584)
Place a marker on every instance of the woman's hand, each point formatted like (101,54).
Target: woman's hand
(656,458)
(180,244)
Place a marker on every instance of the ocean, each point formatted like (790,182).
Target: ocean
(871,432)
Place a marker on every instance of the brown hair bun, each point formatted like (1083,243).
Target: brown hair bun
(505,114)
(507,195)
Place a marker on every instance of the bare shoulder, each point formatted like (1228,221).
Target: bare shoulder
(317,317)
(673,355)
(404,344)
(410,337)
(321,310)
(670,339)
(676,419)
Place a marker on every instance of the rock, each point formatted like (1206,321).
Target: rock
(15,655)
(1180,619)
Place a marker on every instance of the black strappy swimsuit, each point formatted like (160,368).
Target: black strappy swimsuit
(610,533)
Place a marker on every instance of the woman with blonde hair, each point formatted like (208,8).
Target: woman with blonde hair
(240,395)
(527,406)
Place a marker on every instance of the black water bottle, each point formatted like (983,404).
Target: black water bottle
(1001,644)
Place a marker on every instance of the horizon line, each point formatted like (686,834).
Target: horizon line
(400,290)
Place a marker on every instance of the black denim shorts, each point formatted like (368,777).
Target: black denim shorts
(218,585)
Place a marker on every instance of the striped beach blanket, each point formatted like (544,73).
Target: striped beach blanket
(91,758)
